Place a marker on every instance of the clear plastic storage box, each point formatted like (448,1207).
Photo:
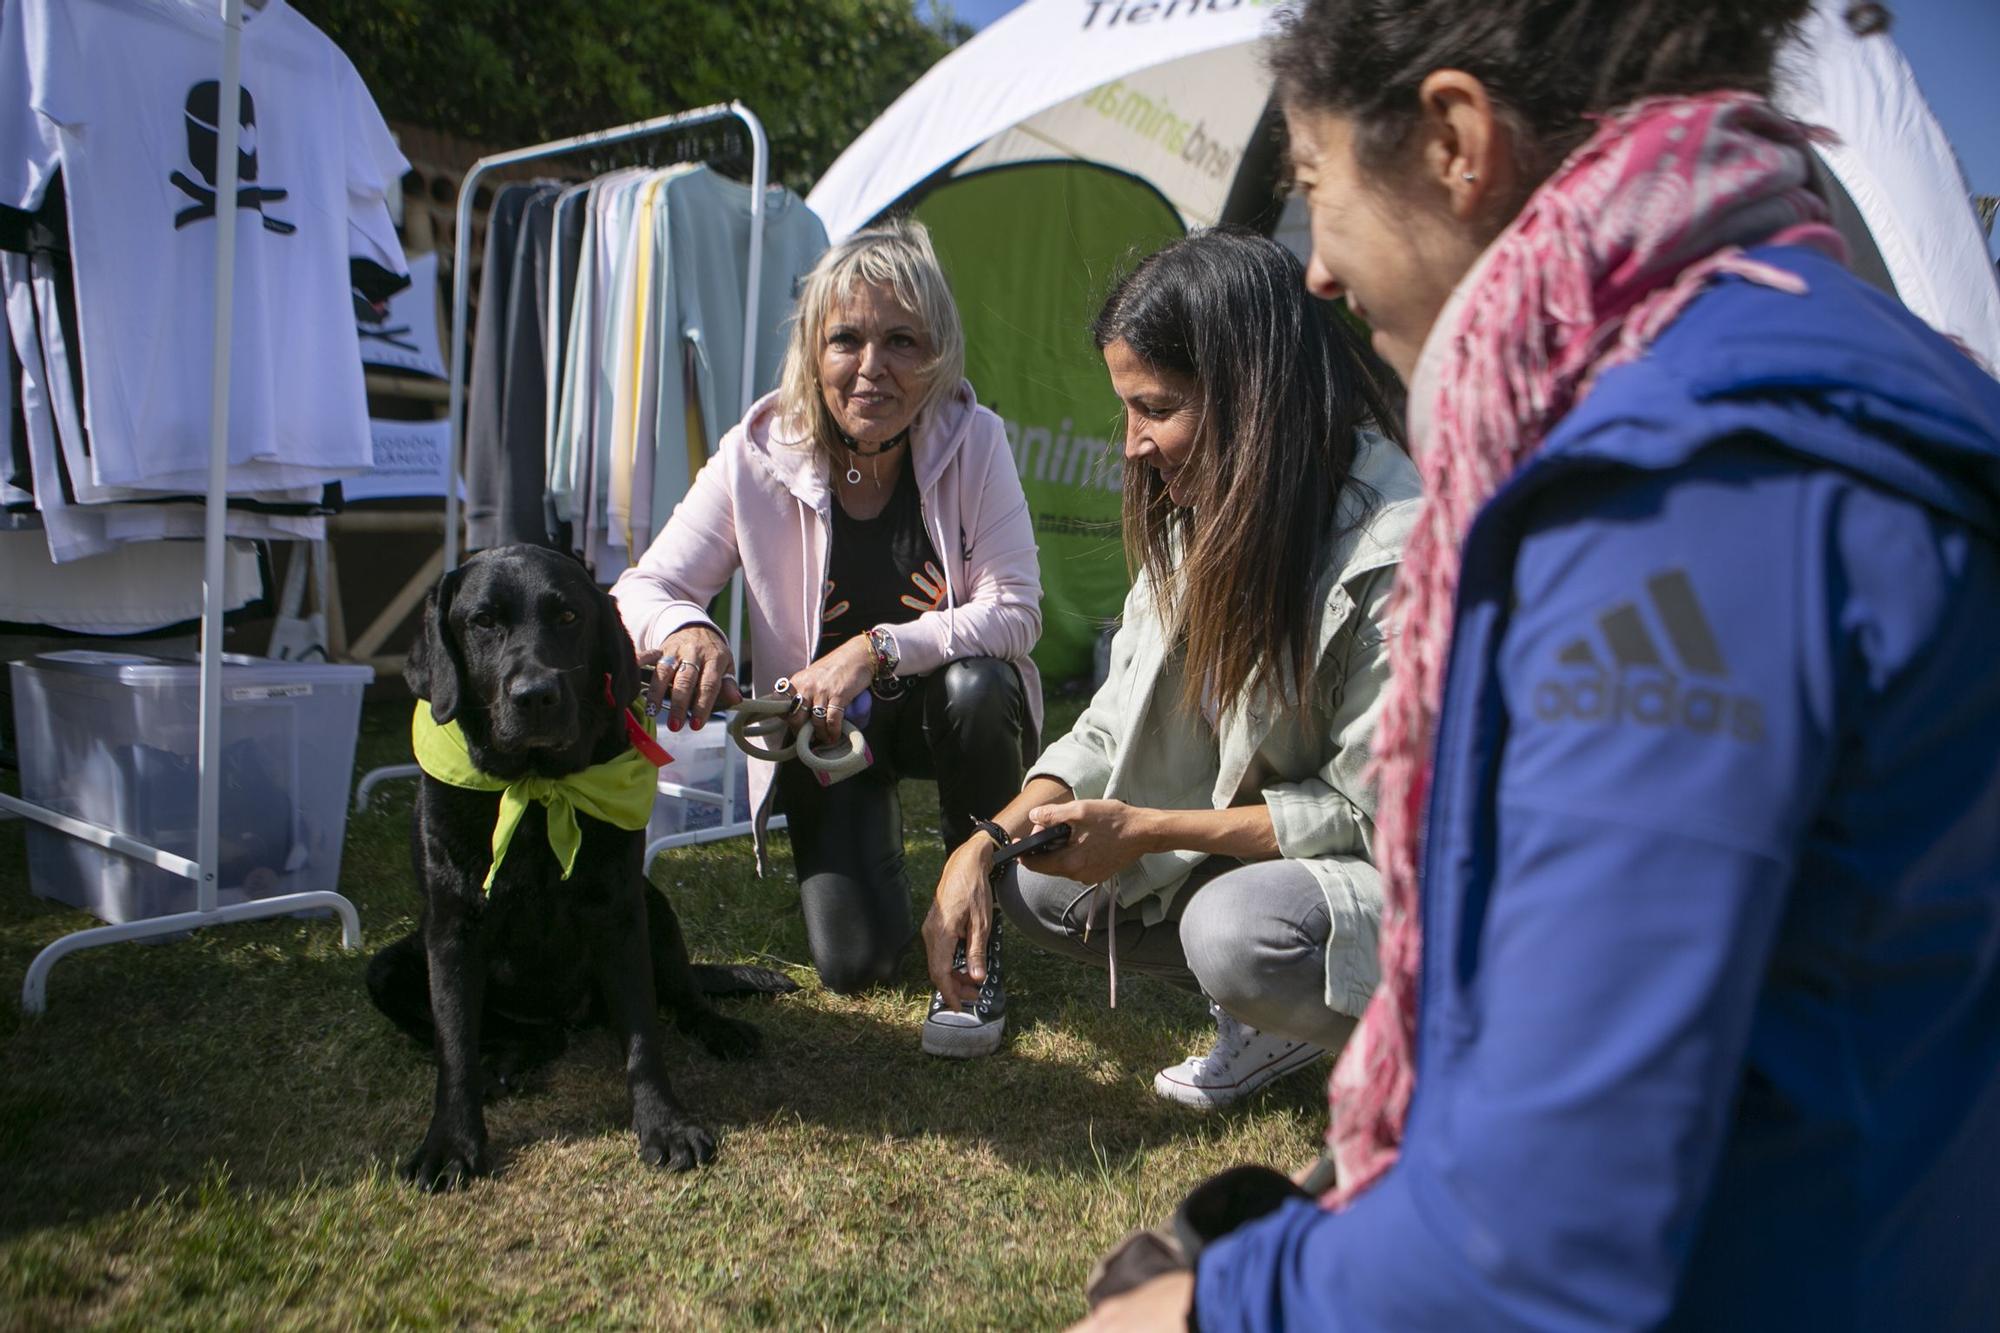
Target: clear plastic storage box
(113,737)
(698,763)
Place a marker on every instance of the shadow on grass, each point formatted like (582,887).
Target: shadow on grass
(250,1046)
(254,1048)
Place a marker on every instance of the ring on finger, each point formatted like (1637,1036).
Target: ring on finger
(819,711)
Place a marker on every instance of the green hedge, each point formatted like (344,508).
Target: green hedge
(517,71)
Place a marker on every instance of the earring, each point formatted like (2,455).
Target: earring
(1468,175)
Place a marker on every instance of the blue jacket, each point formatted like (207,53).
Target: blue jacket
(1710,1022)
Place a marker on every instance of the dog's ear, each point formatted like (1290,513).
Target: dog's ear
(434,669)
(620,658)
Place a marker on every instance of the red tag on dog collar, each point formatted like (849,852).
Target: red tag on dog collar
(655,753)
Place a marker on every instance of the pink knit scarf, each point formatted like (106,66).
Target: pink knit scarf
(1604,256)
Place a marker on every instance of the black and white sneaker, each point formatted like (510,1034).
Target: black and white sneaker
(965,1034)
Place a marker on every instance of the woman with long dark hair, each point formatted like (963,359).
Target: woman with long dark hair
(1215,788)
(1690,765)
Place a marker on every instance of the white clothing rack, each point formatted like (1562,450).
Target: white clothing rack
(733,823)
(203,870)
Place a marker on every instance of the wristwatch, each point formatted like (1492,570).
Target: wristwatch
(883,645)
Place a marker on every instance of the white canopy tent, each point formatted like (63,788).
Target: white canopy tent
(1172,91)
(1168,90)
(1893,160)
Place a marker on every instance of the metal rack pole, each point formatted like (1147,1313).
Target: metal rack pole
(753,280)
(205,868)
(215,508)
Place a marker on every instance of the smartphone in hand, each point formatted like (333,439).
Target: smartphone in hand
(1050,839)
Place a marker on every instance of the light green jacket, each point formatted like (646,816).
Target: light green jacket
(1136,743)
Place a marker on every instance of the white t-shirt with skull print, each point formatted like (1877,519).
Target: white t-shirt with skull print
(122,95)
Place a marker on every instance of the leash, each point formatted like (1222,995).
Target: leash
(755,722)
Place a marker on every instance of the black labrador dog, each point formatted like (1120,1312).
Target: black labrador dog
(526,653)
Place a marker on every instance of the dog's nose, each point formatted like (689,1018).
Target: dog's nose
(535,693)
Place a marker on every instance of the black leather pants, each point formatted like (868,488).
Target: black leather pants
(965,726)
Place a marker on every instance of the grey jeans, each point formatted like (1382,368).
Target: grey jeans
(1252,935)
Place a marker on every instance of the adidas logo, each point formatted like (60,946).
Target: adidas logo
(1639,684)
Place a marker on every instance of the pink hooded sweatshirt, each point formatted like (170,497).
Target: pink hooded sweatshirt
(764,502)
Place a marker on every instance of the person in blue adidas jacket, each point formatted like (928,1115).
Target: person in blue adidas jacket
(1708,1020)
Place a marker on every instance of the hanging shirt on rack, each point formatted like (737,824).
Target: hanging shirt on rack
(576,362)
(37,421)
(42,324)
(633,331)
(122,95)
(400,333)
(528,318)
(618,254)
(508,385)
(17,472)
(43,236)
(17,477)
(566,243)
(633,439)
(51,278)
(705,276)
(569,479)
(73,531)
(570,459)
(128,590)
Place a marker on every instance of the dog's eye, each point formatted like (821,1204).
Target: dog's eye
(566,618)
(484,620)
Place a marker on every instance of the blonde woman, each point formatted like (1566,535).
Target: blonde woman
(874,509)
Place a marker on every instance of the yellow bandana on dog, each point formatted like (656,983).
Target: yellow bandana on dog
(618,791)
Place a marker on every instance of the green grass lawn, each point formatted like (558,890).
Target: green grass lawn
(203,1133)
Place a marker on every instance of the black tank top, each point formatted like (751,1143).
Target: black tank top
(881,570)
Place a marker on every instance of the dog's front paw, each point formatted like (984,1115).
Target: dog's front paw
(726,1038)
(447,1160)
(676,1147)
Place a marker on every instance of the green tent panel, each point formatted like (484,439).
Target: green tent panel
(1032,249)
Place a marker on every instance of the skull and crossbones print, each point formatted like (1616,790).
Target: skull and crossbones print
(204,119)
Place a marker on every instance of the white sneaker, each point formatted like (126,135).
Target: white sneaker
(1241,1061)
